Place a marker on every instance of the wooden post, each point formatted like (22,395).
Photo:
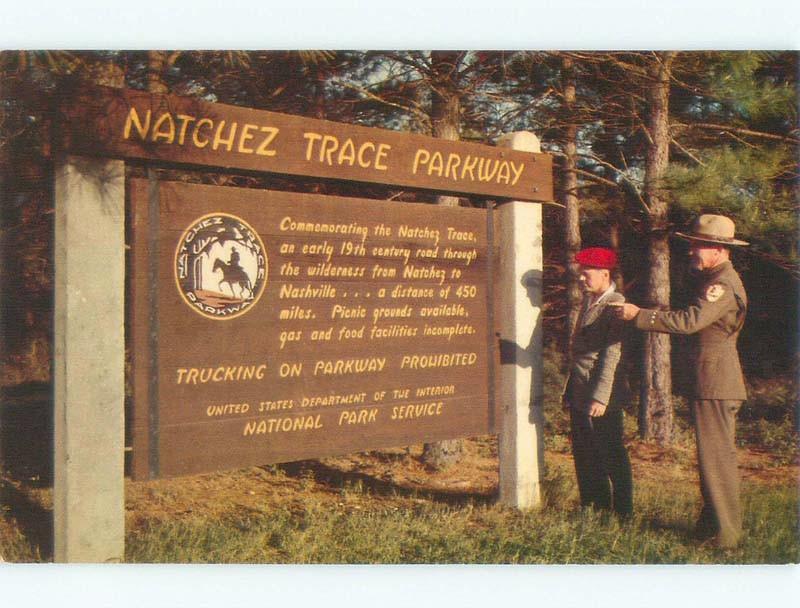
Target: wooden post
(88,376)
(518,233)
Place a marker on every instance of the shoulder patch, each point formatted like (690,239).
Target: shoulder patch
(714,292)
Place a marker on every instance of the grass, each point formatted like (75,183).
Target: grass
(15,547)
(275,515)
(434,532)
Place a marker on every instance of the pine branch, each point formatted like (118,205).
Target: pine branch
(587,174)
(621,174)
(738,130)
(687,153)
(419,66)
(412,110)
(597,178)
(778,262)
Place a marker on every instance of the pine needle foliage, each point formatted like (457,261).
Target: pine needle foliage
(742,183)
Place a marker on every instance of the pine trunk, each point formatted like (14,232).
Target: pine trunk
(572,230)
(445,120)
(613,240)
(104,73)
(655,414)
(156,62)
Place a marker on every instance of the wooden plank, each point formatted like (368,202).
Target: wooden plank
(351,325)
(136,124)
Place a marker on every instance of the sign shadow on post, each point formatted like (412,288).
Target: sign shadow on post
(526,356)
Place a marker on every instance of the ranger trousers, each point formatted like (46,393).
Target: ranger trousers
(715,429)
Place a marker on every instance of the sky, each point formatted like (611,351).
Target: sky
(409,24)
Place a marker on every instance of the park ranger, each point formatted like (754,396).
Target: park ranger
(714,319)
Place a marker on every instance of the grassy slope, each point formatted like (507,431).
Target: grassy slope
(384,507)
(357,531)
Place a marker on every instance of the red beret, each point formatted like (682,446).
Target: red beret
(597,257)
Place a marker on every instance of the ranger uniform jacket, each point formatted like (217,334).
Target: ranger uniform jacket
(714,319)
(596,351)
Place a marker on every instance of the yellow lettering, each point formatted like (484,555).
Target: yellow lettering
(311,137)
(361,416)
(469,166)
(487,168)
(277,425)
(453,161)
(504,173)
(364,146)
(435,390)
(333,399)
(246,136)
(264,149)
(196,135)
(420,158)
(383,150)
(417,410)
(133,120)
(336,367)
(436,165)
(185,120)
(228,143)
(347,153)
(438,360)
(169,134)
(328,146)
(517,172)
(221,373)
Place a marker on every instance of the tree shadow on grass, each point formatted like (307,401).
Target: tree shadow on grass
(337,479)
(26,433)
(35,522)
(26,456)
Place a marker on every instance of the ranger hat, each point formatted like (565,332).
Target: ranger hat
(713,229)
(597,257)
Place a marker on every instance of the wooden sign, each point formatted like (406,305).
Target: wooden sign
(272,326)
(135,124)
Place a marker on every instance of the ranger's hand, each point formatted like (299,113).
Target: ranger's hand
(627,311)
(596,409)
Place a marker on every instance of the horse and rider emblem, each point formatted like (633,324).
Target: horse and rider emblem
(220,266)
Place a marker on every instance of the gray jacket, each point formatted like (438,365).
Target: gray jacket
(596,352)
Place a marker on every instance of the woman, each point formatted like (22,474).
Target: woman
(592,395)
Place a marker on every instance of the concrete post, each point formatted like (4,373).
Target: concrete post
(518,234)
(88,375)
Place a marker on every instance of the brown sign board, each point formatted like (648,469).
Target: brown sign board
(271,326)
(134,124)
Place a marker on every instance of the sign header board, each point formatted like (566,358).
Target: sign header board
(135,124)
(271,326)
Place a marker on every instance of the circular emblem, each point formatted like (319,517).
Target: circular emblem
(220,266)
(714,292)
